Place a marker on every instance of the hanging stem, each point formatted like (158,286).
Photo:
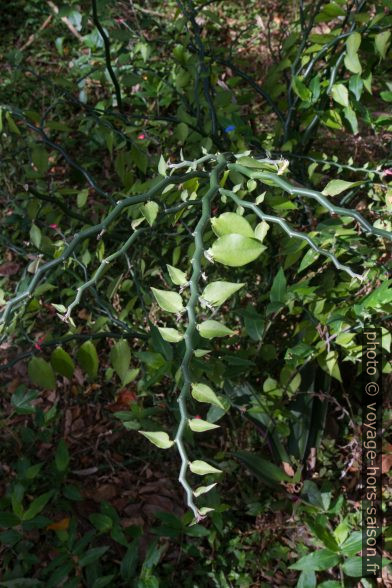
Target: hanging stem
(191,329)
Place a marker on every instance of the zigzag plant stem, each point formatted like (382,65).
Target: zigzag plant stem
(90,232)
(191,329)
(290,231)
(314,194)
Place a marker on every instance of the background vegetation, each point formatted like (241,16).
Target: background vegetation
(103,224)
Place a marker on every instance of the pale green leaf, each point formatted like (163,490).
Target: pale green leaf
(203,489)
(339,93)
(353,42)
(335,187)
(352,63)
(202,468)
(230,222)
(210,329)
(199,426)
(217,292)
(177,276)
(235,250)
(261,230)
(158,438)
(381,43)
(162,166)
(167,300)
(203,393)
(35,235)
(170,335)
(150,211)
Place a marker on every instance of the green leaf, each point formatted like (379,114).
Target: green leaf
(203,393)
(263,469)
(278,288)
(103,581)
(177,276)
(158,438)
(41,373)
(21,400)
(322,532)
(340,94)
(307,580)
(150,212)
(230,222)
(120,356)
(170,335)
(101,522)
(356,86)
(129,561)
(335,187)
(353,567)
(162,166)
(261,231)
(210,329)
(81,198)
(181,131)
(351,117)
(40,158)
(167,300)
(203,489)
(300,89)
(8,519)
(216,293)
(202,468)
(352,63)
(352,544)
(92,555)
(199,426)
(317,561)
(37,505)
(381,43)
(88,358)
(235,250)
(353,42)
(332,365)
(35,235)
(61,457)
(62,362)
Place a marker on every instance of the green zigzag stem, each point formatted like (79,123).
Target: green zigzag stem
(191,329)
(90,232)
(291,232)
(100,270)
(299,191)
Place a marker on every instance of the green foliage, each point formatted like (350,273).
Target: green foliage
(181,233)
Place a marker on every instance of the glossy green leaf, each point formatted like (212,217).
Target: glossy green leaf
(210,329)
(92,555)
(202,468)
(203,393)
(199,426)
(307,580)
(167,300)
(235,250)
(158,438)
(353,567)
(62,362)
(278,288)
(300,89)
(216,293)
(41,373)
(263,469)
(230,222)
(261,231)
(61,457)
